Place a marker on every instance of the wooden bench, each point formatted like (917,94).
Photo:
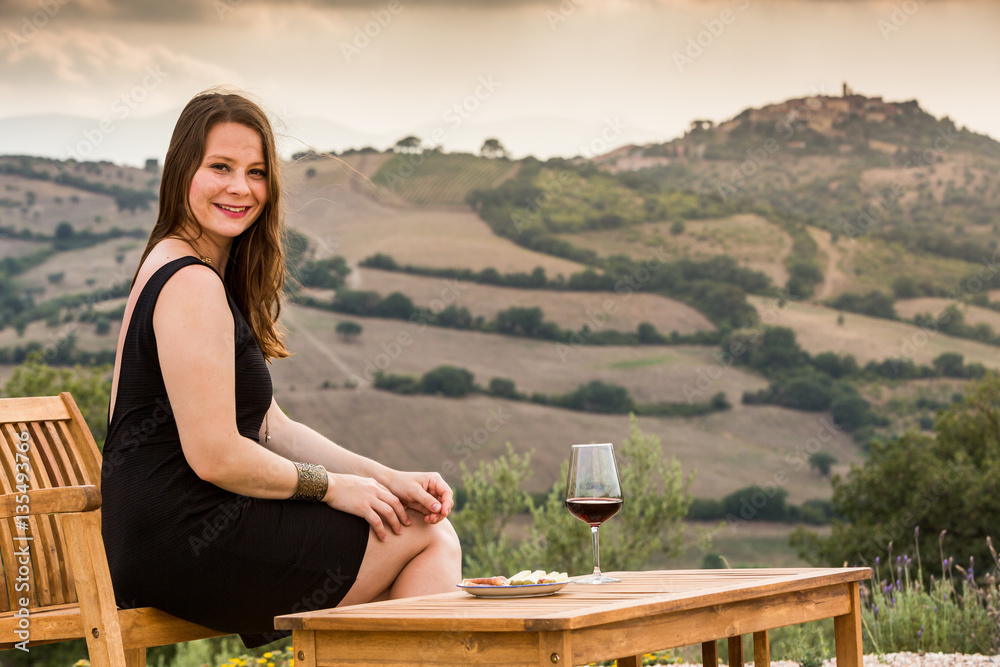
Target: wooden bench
(67,591)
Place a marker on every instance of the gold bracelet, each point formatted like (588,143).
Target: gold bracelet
(313,482)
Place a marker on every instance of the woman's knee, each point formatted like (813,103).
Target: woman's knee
(444,535)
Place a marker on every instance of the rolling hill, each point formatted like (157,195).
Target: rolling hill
(790,232)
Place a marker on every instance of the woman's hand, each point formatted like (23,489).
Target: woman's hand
(364,497)
(424,492)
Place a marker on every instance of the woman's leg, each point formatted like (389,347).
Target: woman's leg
(424,559)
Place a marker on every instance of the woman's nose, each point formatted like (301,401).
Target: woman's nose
(238,184)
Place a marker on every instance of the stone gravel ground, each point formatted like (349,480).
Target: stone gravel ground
(907,660)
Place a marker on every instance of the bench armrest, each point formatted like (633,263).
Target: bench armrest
(51,501)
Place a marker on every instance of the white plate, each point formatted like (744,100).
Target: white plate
(524,591)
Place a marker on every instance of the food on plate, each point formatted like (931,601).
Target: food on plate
(486,581)
(522,578)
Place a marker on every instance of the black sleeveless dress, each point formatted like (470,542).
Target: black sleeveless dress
(178,543)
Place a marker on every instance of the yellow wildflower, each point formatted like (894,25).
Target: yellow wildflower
(270,664)
(267,655)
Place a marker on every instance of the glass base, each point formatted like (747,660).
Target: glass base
(597,579)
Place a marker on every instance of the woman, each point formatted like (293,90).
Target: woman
(217,507)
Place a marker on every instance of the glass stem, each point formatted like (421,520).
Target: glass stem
(597,552)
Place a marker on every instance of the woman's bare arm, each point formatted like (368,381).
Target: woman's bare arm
(196,348)
(424,492)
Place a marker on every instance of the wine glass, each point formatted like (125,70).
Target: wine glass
(593,495)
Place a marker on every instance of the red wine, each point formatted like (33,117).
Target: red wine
(594,511)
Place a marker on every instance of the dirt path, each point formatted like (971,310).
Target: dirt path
(289,320)
(833,277)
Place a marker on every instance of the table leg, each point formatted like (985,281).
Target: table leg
(847,631)
(304,645)
(761,649)
(710,654)
(736,651)
(554,648)
(629,661)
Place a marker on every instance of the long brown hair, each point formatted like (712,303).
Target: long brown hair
(255,273)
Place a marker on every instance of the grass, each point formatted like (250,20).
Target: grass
(441,180)
(874,264)
(753,544)
(750,239)
(340,212)
(902,613)
(622,312)
(641,363)
(974,315)
(868,338)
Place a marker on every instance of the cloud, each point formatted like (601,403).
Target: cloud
(183,11)
(89,70)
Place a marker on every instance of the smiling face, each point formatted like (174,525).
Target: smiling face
(229,188)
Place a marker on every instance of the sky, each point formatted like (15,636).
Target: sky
(545,76)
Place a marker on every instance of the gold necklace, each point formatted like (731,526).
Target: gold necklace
(205,258)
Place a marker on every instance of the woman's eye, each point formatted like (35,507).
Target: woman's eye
(220,166)
(258,172)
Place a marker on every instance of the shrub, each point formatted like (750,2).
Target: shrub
(650,522)
(598,396)
(941,482)
(503,388)
(348,329)
(755,503)
(399,384)
(450,381)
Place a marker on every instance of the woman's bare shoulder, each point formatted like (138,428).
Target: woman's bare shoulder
(190,289)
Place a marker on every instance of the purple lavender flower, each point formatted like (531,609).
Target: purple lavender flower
(920,632)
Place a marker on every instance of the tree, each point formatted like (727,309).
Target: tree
(651,520)
(821,462)
(89,386)
(756,503)
(348,330)
(503,388)
(64,231)
(943,483)
(598,396)
(409,144)
(450,381)
(648,335)
(492,148)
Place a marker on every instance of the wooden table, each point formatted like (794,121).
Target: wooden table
(647,611)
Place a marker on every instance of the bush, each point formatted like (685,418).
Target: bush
(503,388)
(942,483)
(706,509)
(598,396)
(904,614)
(348,330)
(399,384)
(755,503)
(450,381)
(821,462)
(650,522)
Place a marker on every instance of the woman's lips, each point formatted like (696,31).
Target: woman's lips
(233,211)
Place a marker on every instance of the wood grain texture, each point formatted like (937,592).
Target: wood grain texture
(648,611)
(50,501)
(33,408)
(847,631)
(736,651)
(639,595)
(710,654)
(71,590)
(761,649)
